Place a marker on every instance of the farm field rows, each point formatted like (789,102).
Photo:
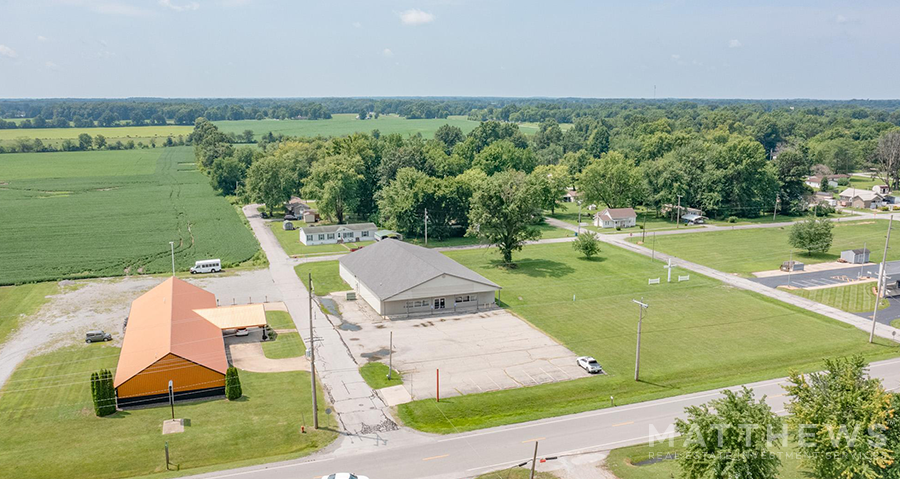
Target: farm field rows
(47,403)
(346,124)
(109,213)
(56,136)
(751,250)
(587,306)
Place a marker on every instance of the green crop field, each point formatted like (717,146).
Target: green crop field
(55,136)
(751,250)
(109,213)
(697,335)
(50,430)
(346,123)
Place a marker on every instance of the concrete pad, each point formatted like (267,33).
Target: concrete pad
(250,357)
(173,426)
(394,395)
(475,352)
(275,306)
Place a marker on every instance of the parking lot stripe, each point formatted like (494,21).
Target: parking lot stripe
(623,424)
(435,457)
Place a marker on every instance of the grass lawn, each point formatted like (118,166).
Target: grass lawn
(375,374)
(47,403)
(517,473)
(855,298)
(896,323)
(18,302)
(697,335)
(547,232)
(111,213)
(325,274)
(280,320)
(763,249)
(568,212)
(285,345)
(290,242)
(622,461)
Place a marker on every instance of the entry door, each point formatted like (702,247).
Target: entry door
(438,303)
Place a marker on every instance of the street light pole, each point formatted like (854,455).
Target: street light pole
(880,292)
(579,218)
(637,359)
(678,214)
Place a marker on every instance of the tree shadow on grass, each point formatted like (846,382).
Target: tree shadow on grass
(595,259)
(537,268)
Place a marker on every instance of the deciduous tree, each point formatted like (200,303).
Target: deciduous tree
(503,212)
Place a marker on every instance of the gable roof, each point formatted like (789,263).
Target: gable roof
(865,195)
(617,213)
(333,228)
(163,321)
(390,267)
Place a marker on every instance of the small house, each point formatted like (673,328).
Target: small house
(856,198)
(571,196)
(616,218)
(882,189)
(693,219)
(855,256)
(296,206)
(333,234)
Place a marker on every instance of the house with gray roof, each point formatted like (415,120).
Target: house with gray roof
(400,279)
(333,234)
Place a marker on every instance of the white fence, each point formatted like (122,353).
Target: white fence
(653,281)
(684,278)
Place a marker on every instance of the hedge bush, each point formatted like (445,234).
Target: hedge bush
(232,384)
(103,393)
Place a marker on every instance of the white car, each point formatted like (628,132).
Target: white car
(589,364)
(344,475)
(241,333)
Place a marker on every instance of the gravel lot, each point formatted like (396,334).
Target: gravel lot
(104,303)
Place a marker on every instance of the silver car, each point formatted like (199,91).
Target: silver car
(97,336)
(589,364)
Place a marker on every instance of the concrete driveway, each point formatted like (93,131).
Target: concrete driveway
(475,352)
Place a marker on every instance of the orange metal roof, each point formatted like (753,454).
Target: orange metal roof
(163,321)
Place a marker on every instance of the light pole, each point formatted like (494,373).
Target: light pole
(312,357)
(678,214)
(880,283)
(637,359)
(172,246)
(579,218)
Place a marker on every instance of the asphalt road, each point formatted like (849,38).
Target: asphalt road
(470,454)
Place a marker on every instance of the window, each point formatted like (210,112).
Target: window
(321,237)
(438,303)
(348,235)
(330,235)
(365,233)
(308,237)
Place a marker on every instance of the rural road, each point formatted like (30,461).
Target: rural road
(470,454)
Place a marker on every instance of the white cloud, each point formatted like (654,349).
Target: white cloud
(676,57)
(386,52)
(190,6)
(7,52)
(840,19)
(416,17)
(42,38)
(52,66)
(735,44)
(357,24)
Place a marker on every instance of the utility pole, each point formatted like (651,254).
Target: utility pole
(880,291)
(775,212)
(579,218)
(637,359)
(312,358)
(172,245)
(391,356)
(653,251)
(426,226)
(863,264)
(678,214)
(534,459)
(790,267)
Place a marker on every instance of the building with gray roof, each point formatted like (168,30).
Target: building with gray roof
(332,234)
(400,279)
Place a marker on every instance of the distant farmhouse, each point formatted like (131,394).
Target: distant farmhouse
(616,218)
(818,180)
(401,279)
(296,206)
(333,234)
(856,198)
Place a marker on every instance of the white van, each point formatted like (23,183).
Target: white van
(207,266)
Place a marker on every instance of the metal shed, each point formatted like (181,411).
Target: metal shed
(855,256)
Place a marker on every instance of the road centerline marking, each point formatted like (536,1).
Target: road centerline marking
(623,424)
(534,440)
(435,457)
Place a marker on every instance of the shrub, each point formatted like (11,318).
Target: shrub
(587,244)
(732,219)
(232,384)
(103,393)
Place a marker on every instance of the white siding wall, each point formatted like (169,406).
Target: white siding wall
(361,290)
(357,236)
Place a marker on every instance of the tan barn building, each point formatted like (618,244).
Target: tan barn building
(168,339)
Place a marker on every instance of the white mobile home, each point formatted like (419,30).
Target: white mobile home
(333,234)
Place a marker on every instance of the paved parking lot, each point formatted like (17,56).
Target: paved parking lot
(475,352)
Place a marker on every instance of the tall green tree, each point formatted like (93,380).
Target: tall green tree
(728,438)
(504,155)
(226,174)
(449,136)
(549,182)
(845,422)
(504,209)
(334,182)
(84,141)
(271,181)
(792,167)
(612,180)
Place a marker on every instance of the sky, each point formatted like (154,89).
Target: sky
(519,48)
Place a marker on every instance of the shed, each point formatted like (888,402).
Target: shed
(167,340)
(855,256)
(310,216)
(401,279)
